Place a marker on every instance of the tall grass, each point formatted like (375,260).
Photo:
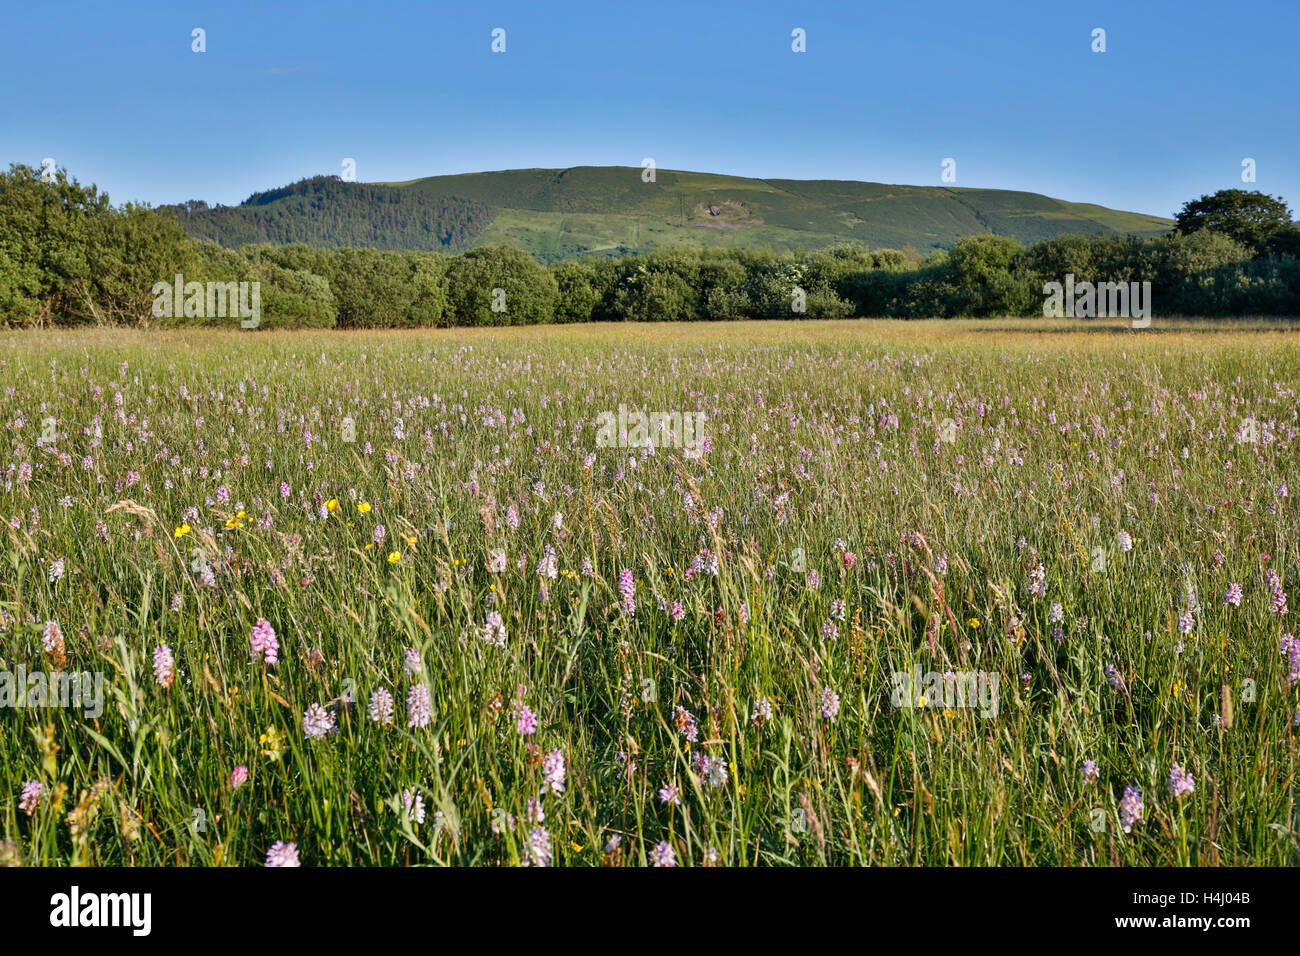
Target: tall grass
(826,438)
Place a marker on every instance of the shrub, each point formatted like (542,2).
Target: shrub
(530,292)
(579,292)
(651,295)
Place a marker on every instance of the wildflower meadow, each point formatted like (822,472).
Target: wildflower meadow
(750,594)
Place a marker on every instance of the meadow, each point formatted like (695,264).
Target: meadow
(381,598)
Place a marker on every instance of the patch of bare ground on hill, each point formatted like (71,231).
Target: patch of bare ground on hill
(724,214)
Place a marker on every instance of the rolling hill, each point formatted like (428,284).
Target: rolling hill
(608,210)
(326,212)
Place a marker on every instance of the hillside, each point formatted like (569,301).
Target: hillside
(325,212)
(608,210)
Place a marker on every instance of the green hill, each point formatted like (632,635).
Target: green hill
(608,210)
(326,212)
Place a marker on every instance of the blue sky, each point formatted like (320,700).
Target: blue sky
(1011,90)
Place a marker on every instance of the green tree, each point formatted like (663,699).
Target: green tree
(1248,216)
(580,296)
(292,298)
(429,291)
(1285,242)
(654,295)
(131,251)
(67,255)
(988,273)
(722,288)
(500,285)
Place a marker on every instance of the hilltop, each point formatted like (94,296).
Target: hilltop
(558,214)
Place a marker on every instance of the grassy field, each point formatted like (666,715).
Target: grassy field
(647,656)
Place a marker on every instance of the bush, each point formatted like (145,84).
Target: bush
(429,290)
(369,287)
(721,288)
(528,293)
(653,295)
(579,289)
(295,299)
(135,250)
(1204,251)
(289,298)
(792,287)
(989,276)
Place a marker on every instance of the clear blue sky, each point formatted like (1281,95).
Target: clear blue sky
(885,91)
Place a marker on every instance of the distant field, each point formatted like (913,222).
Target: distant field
(499,641)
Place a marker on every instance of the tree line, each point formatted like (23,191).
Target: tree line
(68,256)
(324,211)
